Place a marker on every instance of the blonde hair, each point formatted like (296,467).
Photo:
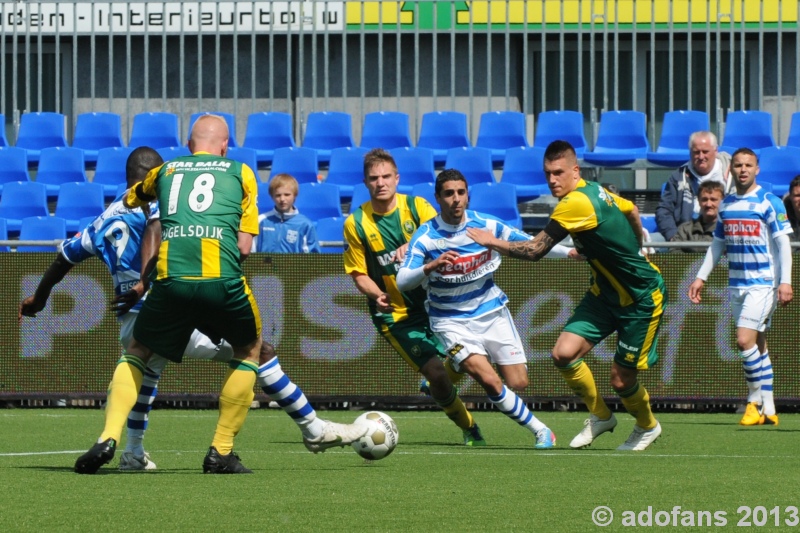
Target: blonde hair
(283,180)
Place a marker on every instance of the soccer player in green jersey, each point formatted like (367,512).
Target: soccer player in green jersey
(627,294)
(377,234)
(208,218)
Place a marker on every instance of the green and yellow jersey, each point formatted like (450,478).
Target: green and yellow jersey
(596,220)
(372,239)
(204,201)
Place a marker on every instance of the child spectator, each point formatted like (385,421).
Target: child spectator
(284,229)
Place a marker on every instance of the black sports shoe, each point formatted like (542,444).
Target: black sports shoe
(98,455)
(216,463)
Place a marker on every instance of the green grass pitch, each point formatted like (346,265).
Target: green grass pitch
(431,483)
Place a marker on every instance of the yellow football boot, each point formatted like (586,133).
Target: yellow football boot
(752,415)
(769,420)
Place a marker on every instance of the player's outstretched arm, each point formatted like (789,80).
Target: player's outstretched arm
(52,276)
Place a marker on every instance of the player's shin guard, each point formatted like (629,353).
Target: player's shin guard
(580,379)
(455,410)
(290,397)
(122,394)
(137,419)
(234,403)
(767,399)
(637,403)
(751,362)
(514,408)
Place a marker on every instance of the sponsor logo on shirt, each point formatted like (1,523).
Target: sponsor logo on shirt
(466,264)
(742,228)
(291,236)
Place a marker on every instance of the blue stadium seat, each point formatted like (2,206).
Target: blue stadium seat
(326,130)
(3,138)
(523,169)
(4,235)
(13,165)
(79,200)
(386,129)
(22,199)
(301,163)
(496,199)
(427,191)
(560,125)
(778,166)
(121,188)
(244,155)
(622,139)
(229,118)
(40,130)
(673,147)
(110,170)
(346,170)
(265,203)
(360,196)
(474,163)
(319,200)
(84,222)
(794,131)
(267,132)
(156,130)
(95,131)
(442,130)
(44,228)
(171,152)
(649,221)
(58,166)
(415,165)
(747,129)
(501,130)
(331,229)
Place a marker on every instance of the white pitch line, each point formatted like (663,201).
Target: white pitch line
(24,454)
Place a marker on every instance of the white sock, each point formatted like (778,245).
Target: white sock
(751,363)
(282,390)
(514,408)
(138,417)
(768,401)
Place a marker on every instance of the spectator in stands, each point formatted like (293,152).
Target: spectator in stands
(284,229)
(679,200)
(709,195)
(792,203)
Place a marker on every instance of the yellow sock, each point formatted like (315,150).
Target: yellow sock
(455,377)
(456,411)
(234,403)
(637,403)
(122,394)
(581,381)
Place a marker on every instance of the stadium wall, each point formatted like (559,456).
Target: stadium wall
(326,342)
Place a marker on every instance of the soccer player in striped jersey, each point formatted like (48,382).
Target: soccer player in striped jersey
(754,231)
(377,235)
(467,310)
(627,294)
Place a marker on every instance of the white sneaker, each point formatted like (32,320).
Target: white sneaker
(640,439)
(593,427)
(129,462)
(334,434)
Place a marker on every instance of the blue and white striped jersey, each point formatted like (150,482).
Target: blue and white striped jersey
(114,237)
(748,225)
(465,289)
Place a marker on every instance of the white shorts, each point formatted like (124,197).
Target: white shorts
(199,347)
(752,308)
(493,335)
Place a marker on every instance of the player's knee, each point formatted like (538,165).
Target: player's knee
(560,360)
(267,352)
(517,383)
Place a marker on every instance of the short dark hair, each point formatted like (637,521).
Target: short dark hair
(376,156)
(711,185)
(558,149)
(141,161)
(448,174)
(746,151)
(794,183)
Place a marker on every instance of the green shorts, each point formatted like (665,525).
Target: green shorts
(413,340)
(175,308)
(637,326)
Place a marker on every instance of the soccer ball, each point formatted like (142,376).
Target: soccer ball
(381,437)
